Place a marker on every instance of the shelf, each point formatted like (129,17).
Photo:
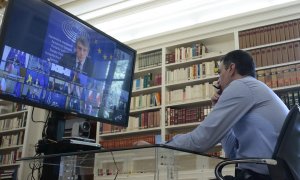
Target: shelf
(136,111)
(9,165)
(198,59)
(138,131)
(12,130)
(188,103)
(286,88)
(13,114)
(272,44)
(10,147)
(146,70)
(192,81)
(179,126)
(146,90)
(278,65)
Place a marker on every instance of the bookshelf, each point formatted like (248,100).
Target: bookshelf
(13,123)
(18,136)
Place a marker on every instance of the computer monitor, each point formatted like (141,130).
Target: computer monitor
(53,60)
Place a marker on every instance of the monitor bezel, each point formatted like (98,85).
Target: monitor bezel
(3,31)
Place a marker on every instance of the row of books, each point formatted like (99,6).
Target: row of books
(186,115)
(183,54)
(142,121)
(276,54)
(17,122)
(148,60)
(12,139)
(146,81)
(195,71)
(290,98)
(9,108)
(7,174)
(126,142)
(10,157)
(269,34)
(109,128)
(281,76)
(191,93)
(145,101)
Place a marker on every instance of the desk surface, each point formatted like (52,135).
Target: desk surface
(143,162)
(100,151)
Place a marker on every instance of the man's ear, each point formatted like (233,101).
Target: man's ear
(232,69)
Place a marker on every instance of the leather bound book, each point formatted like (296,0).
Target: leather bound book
(274,77)
(280,77)
(269,56)
(284,53)
(273,33)
(297,50)
(296,28)
(266,35)
(262,34)
(291,29)
(282,32)
(268,77)
(258,58)
(291,53)
(241,39)
(298,73)
(293,74)
(286,31)
(277,31)
(247,38)
(286,76)
(257,35)
(279,54)
(274,55)
(264,60)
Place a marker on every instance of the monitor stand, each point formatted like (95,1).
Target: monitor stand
(55,143)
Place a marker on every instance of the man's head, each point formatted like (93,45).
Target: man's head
(235,65)
(82,48)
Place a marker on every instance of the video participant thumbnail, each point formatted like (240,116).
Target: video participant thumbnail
(35,78)
(58,85)
(55,99)
(15,56)
(32,93)
(38,64)
(10,87)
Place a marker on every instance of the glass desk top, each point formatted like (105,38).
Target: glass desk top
(144,162)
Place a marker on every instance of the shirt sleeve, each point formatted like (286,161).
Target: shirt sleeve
(230,145)
(235,101)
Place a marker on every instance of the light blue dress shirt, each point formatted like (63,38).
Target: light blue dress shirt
(247,120)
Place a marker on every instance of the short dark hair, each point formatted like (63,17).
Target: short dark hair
(84,41)
(243,62)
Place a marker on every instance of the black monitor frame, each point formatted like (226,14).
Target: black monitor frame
(4,29)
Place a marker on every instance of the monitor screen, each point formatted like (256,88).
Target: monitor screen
(53,60)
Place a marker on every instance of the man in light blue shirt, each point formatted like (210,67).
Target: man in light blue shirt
(246,118)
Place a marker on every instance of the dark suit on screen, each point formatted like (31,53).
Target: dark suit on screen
(69,61)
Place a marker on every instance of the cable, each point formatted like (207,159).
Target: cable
(33,119)
(115,165)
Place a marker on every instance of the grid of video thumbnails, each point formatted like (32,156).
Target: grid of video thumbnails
(31,78)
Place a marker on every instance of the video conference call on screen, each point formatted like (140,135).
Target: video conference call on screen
(41,65)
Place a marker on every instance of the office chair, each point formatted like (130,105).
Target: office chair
(285,162)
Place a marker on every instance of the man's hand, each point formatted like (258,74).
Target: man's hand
(214,99)
(141,143)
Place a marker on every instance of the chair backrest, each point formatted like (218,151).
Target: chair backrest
(287,149)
